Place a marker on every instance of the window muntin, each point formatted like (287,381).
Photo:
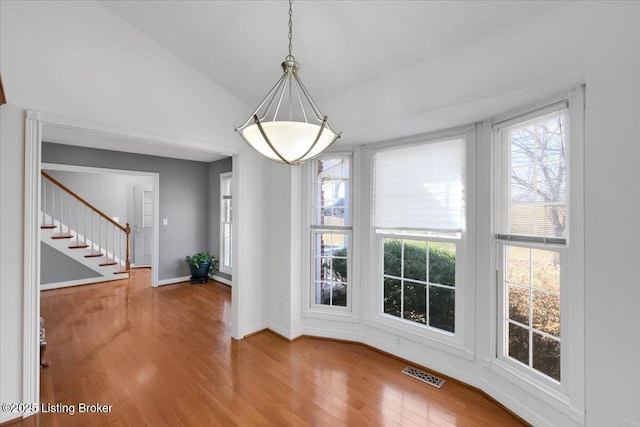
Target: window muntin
(419,218)
(531,289)
(331,232)
(332,205)
(531,222)
(418,281)
(331,268)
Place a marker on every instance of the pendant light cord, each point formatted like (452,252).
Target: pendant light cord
(290,57)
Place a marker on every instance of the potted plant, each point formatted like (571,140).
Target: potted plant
(201,265)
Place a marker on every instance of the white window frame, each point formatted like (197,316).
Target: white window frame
(227,269)
(460,343)
(567,395)
(310,309)
(427,239)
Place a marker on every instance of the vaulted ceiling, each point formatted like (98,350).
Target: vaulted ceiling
(379,69)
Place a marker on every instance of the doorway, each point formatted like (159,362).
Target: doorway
(143,225)
(87,134)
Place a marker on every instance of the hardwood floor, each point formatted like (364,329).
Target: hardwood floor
(165,357)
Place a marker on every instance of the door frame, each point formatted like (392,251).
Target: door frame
(34,123)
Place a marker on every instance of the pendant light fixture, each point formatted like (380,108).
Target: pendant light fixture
(288,126)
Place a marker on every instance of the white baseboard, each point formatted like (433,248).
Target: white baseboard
(6,417)
(173,280)
(221,280)
(80,282)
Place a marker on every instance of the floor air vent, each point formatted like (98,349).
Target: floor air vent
(423,376)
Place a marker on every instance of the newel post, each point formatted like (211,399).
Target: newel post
(128,258)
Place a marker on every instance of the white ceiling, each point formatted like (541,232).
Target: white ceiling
(354,54)
(339,44)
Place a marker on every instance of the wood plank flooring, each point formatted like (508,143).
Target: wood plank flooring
(165,357)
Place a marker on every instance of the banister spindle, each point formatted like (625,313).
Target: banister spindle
(53,204)
(77,222)
(84,234)
(69,206)
(120,250)
(44,198)
(113,243)
(93,240)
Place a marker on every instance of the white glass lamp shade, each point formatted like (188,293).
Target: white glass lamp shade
(291,142)
(287,126)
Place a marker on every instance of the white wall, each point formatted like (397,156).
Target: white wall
(613,227)
(80,60)
(11,253)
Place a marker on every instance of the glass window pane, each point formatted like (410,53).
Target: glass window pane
(332,244)
(332,191)
(442,308)
(537,178)
(323,293)
(392,296)
(546,269)
(546,313)
(546,356)
(392,257)
(415,260)
(518,343)
(331,268)
(415,302)
(519,304)
(339,294)
(517,264)
(442,263)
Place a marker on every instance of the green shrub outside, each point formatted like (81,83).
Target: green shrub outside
(442,270)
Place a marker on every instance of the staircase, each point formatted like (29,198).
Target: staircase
(79,230)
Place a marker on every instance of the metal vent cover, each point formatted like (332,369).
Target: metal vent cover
(423,376)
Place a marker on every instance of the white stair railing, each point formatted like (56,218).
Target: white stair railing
(62,208)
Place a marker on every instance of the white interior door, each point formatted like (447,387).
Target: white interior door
(143,225)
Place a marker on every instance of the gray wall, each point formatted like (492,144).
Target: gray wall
(215,170)
(57,267)
(183,197)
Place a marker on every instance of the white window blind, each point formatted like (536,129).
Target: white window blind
(532,193)
(420,187)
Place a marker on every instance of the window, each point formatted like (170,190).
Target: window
(226,217)
(331,232)
(419,281)
(419,215)
(532,239)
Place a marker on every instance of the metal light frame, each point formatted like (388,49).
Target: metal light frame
(288,110)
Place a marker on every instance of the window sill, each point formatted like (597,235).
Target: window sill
(340,315)
(551,396)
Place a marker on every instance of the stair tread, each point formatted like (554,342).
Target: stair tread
(62,236)
(121,271)
(94,255)
(78,246)
(104,264)
(48,226)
